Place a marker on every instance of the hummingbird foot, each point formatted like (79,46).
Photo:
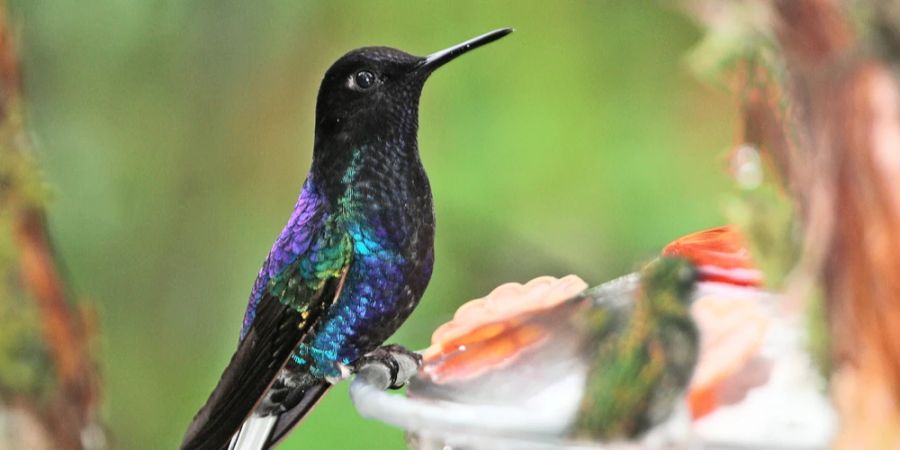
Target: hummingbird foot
(389,366)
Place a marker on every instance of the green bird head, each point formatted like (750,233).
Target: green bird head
(669,282)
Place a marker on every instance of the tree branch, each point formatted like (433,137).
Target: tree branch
(61,413)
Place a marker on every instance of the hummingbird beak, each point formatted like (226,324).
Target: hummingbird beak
(439,58)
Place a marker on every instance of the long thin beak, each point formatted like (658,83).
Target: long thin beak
(438,59)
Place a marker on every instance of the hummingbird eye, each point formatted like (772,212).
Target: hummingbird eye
(687,275)
(362,80)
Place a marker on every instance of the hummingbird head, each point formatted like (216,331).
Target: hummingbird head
(373,92)
(669,278)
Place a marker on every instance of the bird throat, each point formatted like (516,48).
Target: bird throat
(356,176)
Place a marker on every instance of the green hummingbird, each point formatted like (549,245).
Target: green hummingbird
(642,354)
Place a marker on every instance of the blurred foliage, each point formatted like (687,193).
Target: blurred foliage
(820,341)
(25,366)
(735,32)
(176,135)
(766,215)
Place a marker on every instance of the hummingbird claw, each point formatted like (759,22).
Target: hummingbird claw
(391,365)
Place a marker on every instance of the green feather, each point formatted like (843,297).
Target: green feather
(643,355)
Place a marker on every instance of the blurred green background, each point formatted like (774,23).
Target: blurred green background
(176,135)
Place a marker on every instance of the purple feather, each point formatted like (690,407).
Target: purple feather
(291,243)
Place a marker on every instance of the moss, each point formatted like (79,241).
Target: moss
(25,365)
(20,179)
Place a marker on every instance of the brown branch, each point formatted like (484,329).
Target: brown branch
(63,332)
(66,412)
(847,102)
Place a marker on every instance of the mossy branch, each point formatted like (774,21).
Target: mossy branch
(49,388)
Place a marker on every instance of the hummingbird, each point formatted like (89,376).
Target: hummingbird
(551,359)
(353,260)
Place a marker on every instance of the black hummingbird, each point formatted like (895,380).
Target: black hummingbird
(353,260)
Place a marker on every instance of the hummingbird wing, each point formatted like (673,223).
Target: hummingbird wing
(288,420)
(299,280)
(253,367)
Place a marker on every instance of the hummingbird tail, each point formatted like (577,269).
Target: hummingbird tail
(262,432)
(254,367)
(306,399)
(254,433)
